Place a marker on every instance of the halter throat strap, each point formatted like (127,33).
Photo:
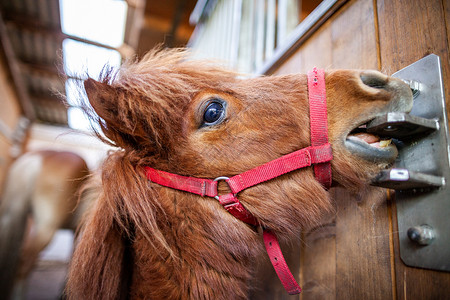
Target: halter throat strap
(319,155)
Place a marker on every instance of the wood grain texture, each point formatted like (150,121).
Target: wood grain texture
(346,40)
(10,112)
(278,61)
(363,261)
(347,247)
(318,260)
(446,5)
(353,37)
(355,255)
(410,30)
(348,256)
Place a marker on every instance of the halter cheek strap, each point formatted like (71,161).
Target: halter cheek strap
(318,154)
(319,121)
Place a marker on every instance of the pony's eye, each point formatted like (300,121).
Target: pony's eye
(214,113)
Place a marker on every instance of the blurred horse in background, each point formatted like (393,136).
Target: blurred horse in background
(41,187)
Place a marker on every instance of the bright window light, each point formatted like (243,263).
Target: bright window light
(76,117)
(102,21)
(72,91)
(81,59)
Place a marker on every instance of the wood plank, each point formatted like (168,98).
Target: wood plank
(410,30)
(318,260)
(135,17)
(366,263)
(14,68)
(308,55)
(446,13)
(349,257)
(361,224)
(353,38)
(346,40)
(10,112)
(446,4)
(300,35)
(363,264)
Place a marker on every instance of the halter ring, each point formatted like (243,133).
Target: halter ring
(224,178)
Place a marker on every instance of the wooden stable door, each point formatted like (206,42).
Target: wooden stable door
(354,254)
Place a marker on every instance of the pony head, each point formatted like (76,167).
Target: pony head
(192,118)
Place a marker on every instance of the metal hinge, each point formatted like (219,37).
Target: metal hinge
(421,172)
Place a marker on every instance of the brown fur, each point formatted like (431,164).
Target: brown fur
(146,241)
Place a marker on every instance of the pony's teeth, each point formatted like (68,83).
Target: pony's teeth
(385,143)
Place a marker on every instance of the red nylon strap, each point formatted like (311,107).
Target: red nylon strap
(202,187)
(279,263)
(199,186)
(205,187)
(296,160)
(231,203)
(318,121)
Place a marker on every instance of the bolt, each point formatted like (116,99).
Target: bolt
(422,235)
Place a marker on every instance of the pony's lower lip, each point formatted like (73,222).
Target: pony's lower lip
(371,153)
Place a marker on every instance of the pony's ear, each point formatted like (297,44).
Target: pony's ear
(119,123)
(128,118)
(103,98)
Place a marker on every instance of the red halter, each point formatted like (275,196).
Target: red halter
(318,154)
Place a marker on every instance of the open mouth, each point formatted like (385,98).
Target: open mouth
(370,146)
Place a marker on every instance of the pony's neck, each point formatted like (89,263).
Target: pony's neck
(212,253)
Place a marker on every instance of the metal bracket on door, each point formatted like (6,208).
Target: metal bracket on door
(421,173)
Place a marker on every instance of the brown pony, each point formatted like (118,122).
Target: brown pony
(40,185)
(143,240)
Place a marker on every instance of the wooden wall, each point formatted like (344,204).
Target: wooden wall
(355,253)
(427,30)
(9,114)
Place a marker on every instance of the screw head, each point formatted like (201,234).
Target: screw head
(422,235)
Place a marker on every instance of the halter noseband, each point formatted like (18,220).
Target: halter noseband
(318,154)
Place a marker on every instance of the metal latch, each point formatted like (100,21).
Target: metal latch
(421,173)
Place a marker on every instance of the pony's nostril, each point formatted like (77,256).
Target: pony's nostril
(374,79)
